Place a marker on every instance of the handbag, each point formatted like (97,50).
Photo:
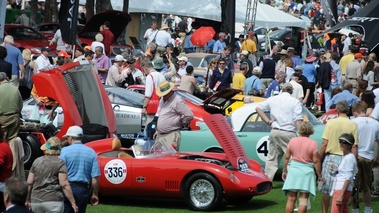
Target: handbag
(152,106)
(319,97)
(253,91)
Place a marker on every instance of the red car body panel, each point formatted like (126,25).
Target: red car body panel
(52,84)
(332,113)
(164,176)
(31,43)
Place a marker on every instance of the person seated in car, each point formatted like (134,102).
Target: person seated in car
(44,108)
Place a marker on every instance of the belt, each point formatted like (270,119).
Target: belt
(284,130)
(86,185)
(8,114)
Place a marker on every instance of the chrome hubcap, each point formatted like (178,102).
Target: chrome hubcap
(202,193)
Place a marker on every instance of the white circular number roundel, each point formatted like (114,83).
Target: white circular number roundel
(262,148)
(115,171)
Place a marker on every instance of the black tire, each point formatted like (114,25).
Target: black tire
(215,150)
(202,192)
(32,149)
(239,200)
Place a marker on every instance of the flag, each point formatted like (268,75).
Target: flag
(330,10)
(68,20)
(3,4)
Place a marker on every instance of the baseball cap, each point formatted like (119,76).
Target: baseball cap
(64,54)
(358,55)
(183,58)
(346,138)
(244,52)
(298,67)
(74,131)
(46,48)
(119,58)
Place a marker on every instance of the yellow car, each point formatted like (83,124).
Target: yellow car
(239,100)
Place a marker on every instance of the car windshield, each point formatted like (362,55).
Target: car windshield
(81,81)
(308,116)
(195,61)
(160,148)
(24,33)
(276,34)
(189,97)
(124,97)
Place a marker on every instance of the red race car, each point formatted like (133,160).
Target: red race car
(216,103)
(202,179)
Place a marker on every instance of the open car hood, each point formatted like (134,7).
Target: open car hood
(118,19)
(220,100)
(228,140)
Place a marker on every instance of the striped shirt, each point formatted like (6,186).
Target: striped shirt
(81,163)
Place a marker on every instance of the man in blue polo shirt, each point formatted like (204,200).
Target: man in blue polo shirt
(14,57)
(82,168)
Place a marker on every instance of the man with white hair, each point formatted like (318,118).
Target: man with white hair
(162,39)
(253,85)
(220,44)
(14,57)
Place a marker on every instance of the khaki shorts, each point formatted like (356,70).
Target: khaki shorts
(364,176)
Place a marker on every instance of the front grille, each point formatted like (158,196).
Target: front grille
(264,187)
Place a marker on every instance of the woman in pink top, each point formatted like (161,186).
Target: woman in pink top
(299,162)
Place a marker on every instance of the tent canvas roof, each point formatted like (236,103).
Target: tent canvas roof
(267,16)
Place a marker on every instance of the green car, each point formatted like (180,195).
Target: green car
(252,132)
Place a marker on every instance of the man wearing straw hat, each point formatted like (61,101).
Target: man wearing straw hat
(173,114)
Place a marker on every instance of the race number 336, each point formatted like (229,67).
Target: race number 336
(115,171)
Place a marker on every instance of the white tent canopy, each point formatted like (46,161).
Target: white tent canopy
(267,16)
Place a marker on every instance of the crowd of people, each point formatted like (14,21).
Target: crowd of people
(342,75)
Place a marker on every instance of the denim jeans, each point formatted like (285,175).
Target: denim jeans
(81,195)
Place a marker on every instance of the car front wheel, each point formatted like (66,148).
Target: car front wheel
(203,192)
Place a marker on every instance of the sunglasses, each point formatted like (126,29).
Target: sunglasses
(221,63)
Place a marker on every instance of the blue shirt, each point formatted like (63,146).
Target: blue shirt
(219,46)
(252,82)
(296,61)
(345,95)
(187,42)
(14,57)
(336,78)
(273,87)
(309,71)
(81,162)
(210,45)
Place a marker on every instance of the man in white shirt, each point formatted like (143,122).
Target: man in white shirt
(162,39)
(151,33)
(114,77)
(285,117)
(138,76)
(153,79)
(182,61)
(42,62)
(368,134)
(346,44)
(298,92)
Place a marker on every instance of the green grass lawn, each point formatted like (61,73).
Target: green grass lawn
(273,202)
